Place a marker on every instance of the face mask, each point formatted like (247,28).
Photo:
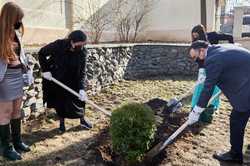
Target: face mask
(200,62)
(18,25)
(78,48)
(195,39)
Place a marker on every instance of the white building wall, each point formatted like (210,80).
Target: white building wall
(44,20)
(169,21)
(173,20)
(211,15)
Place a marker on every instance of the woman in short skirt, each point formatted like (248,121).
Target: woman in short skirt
(13,66)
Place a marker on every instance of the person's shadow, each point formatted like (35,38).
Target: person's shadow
(41,135)
(233,164)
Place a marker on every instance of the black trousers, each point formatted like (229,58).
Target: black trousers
(238,122)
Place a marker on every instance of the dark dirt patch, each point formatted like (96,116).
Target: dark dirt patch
(169,123)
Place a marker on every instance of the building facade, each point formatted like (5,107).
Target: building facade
(169,21)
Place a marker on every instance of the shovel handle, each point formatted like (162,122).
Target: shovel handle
(174,135)
(77,95)
(99,108)
(182,97)
(180,129)
(65,87)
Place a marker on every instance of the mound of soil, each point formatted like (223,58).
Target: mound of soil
(167,123)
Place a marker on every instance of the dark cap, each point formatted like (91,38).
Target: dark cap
(77,36)
(199,44)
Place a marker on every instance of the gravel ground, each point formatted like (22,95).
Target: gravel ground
(80,147)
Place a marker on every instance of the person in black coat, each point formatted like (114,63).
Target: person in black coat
(199,33)
(227,66)
(65,60)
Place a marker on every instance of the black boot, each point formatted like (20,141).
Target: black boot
(16,136)
(8,150)
(84,123)
(62,128)
(229,157)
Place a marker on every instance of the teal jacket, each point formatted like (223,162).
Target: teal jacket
(199,87)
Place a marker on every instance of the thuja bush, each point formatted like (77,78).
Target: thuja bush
(132,131)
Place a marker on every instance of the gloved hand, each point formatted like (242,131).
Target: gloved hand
(47,75)
(201,76)
(175,104)
(194,115)
(28,78)
(83,95)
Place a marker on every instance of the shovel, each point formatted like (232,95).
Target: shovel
(173,106)
(161,145)
(49,77)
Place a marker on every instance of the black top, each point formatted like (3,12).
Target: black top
(215,37)
(17,51)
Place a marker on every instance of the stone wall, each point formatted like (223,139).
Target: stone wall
(107,64)
(150,60)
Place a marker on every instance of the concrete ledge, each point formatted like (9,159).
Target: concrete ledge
(136,44)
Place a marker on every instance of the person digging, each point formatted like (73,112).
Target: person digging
(227,67)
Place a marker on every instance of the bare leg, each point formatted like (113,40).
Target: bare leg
(5,112)
(16,114)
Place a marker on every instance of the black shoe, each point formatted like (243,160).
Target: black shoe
(8,151)
(16,136)
(85,124)
(229,157)
(21,147)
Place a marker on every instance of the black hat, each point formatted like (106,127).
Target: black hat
(77,36)
(199,44)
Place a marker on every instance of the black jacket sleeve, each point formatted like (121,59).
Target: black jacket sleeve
(213,72)
(214,37)
(46,55)
(83,69)
(46,59)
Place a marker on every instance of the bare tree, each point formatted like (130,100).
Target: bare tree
(141,11)
(129,17)
(95,21)
(89,14)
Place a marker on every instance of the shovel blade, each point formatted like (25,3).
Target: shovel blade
(154,151)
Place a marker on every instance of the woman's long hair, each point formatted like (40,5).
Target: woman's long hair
(10,14)
(201,31)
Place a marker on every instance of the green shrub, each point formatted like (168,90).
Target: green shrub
(132,131)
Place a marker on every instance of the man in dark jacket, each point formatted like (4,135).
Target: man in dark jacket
(65,60)
(227,67)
